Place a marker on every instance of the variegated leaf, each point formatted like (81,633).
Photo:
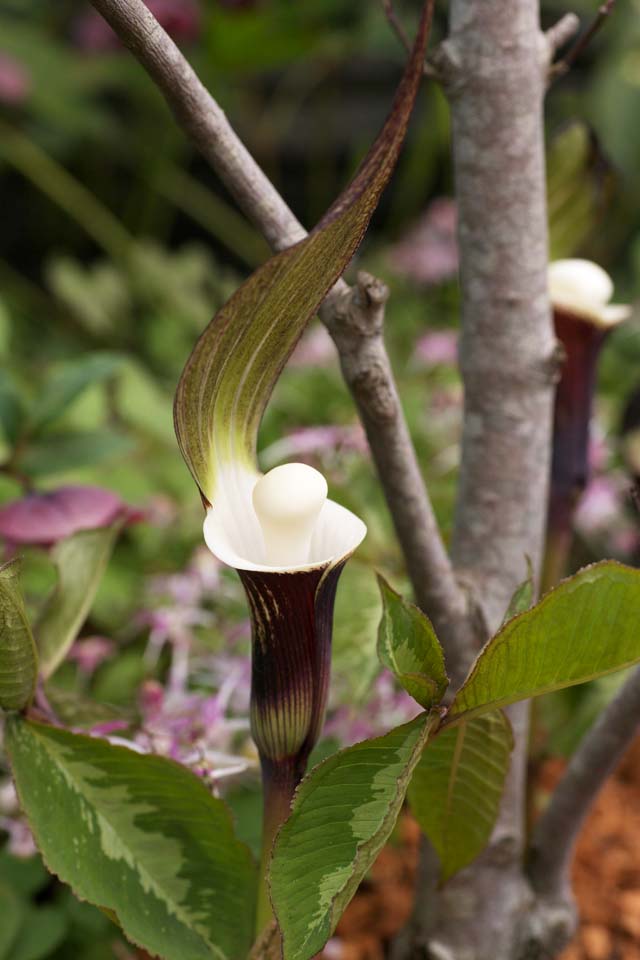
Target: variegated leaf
(139,836)
(343,813)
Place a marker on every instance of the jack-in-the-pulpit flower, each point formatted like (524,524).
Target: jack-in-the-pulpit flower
(580,293)
(287,541)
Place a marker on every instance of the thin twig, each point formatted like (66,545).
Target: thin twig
(577,49)
(395,24)
(597,755)
(206,125)
(561,32)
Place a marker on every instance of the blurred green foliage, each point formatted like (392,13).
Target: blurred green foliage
(118,244)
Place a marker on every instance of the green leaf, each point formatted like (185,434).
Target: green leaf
(409,647)
(231,373)
(12,911)
(71,449)
(140,836)
(66,384)
(522,596)
(84,712)
(578,189)
(80,561)
(18,654)
(457,786)
(25,875)
(42,931)
(342,814)
(586,627)
(12,408)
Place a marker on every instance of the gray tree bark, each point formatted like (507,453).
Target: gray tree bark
(493,66)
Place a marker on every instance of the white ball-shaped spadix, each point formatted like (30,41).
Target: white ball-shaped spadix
(583,289)
(287,502)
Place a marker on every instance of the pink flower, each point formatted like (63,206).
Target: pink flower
(387,707)
(15,81)
(437,348)
(91,652)
(428,253)
(180,18)
(44,518)
(20,843)
(600,506)
(317,441)
(315,349)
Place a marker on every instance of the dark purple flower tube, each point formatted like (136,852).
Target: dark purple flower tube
(580,294)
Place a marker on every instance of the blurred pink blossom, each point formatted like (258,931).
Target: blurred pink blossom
(91,652)
(437,348)
(315,349)
(180,18)
(44,518)
(600,505)
(428,252)
(316,441)
(20,841)
(387,707)
(195,729)
(15,81)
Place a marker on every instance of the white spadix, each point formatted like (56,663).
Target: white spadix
(288,501)
(583,289)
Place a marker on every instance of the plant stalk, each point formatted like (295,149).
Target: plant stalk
(279,781)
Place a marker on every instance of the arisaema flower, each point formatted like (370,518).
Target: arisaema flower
(286,539)
(580,293)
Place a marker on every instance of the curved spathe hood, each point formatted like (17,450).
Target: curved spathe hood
(584,290)
(233,534)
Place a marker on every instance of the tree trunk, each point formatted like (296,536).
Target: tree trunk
(493,67)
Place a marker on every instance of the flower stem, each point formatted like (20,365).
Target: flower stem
(279,780)
(557,550)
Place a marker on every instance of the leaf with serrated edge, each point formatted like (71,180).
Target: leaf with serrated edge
(138,835)
(18,654)
(342,814)
(457,786)
(229,377)
(584,628)
(522,596)
(81,561)
(409,647)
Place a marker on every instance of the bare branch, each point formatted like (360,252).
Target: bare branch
(561,32)
(395,24)
(563,66)
(430,69)
(597,756)
(374,390)
(202,119)
(355,322)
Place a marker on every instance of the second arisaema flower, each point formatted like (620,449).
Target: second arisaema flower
(580,292)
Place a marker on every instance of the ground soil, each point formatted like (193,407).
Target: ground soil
(606,878)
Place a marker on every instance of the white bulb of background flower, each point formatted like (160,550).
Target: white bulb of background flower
(584,289)
(287,502)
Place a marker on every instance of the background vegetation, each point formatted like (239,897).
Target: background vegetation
(118,245)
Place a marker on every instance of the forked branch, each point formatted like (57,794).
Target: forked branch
(207,127)
(563,66)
